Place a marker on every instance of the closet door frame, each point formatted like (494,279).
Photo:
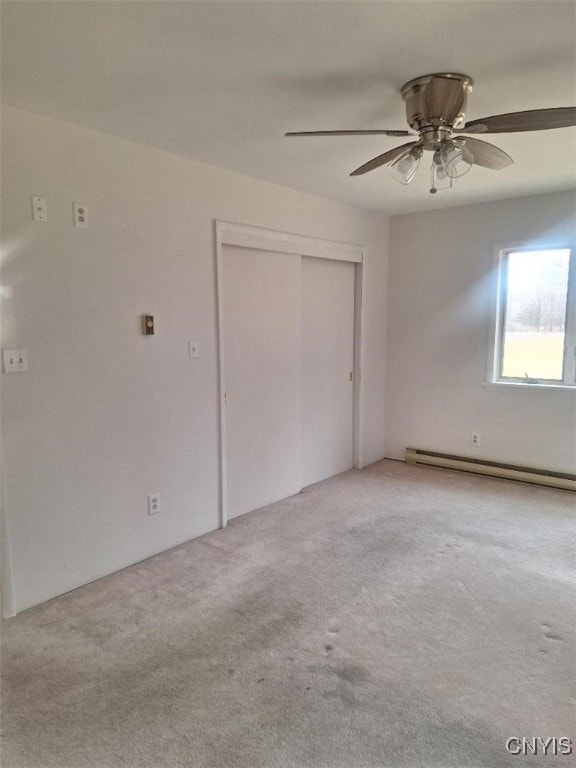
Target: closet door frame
(228,233)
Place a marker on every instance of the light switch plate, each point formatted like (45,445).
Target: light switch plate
(15,360)
(193,350)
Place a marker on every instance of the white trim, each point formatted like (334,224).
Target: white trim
(500,252)
(518,385)
(222,471)
(242,235)
(358,383)
(569,372)
(495,323)
(6,573)
(282,242)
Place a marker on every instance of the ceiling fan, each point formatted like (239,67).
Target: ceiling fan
(435,110)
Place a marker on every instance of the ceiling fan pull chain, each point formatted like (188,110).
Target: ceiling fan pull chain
(433,189)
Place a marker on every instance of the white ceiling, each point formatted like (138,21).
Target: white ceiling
(222,81)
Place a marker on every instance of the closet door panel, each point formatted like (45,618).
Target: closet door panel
(327,354)
(262,375)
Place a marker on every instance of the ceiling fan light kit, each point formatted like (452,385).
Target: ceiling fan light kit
(404,168)
(436,111)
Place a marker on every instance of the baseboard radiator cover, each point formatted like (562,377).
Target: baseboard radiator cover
(562,480)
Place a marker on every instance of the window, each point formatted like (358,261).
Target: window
(536,316)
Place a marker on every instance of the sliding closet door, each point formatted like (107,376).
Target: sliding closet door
(327,355)
(261,295)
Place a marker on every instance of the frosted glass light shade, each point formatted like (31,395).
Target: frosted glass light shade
(455,159)
(404,168)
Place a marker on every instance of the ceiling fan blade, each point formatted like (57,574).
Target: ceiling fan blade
(530,120)
(487,155)
(349,133)
(443,98)
(387,157)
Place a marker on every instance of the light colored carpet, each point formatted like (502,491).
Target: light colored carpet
(400,617)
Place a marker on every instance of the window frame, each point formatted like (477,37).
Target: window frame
(498,316)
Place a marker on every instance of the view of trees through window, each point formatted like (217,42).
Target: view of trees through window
(535,314)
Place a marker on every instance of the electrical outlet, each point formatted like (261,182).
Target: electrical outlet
(15,360)
(80,214)
(474,439)
(154,504)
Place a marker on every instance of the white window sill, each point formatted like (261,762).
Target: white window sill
(518,385)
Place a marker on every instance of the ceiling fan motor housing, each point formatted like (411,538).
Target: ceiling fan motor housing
(435,104)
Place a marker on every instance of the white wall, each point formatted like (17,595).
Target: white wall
(106,416)
(440,297)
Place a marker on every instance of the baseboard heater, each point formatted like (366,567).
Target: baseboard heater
(563,480)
